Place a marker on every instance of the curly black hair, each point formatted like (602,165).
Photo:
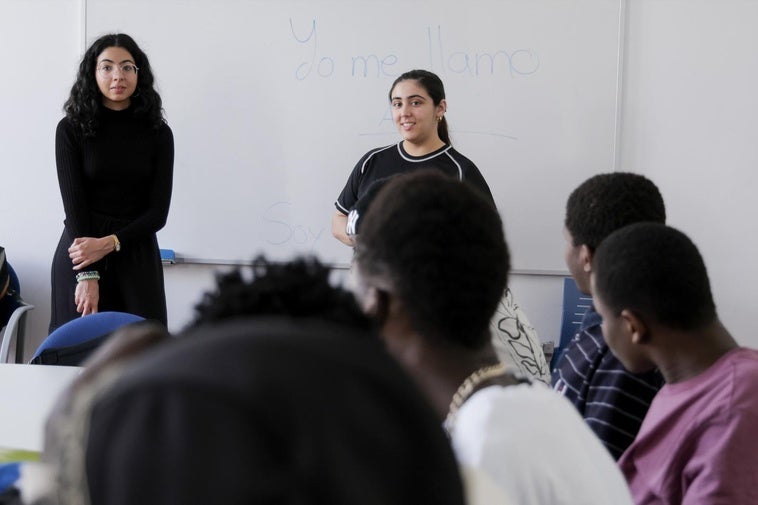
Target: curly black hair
(655,270)
(85,99)
(298,288)
(606,202)
(441,246)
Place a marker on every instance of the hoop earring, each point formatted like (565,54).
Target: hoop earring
(137,93)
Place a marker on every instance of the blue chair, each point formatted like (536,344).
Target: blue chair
(575,304)
(71,343)
(15,328)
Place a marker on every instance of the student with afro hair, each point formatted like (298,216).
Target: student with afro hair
(611,400)
(697,444)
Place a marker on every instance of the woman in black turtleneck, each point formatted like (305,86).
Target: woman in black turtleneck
(115,157)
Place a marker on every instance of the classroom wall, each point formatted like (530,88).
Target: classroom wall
(268,126)
(40,48)
(687,121)
(539,295)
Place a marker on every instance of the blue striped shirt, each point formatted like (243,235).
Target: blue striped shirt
(611,400)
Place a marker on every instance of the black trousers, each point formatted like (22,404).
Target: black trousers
(130,281)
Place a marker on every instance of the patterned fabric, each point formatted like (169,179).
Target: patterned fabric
(612,400)
(516,341)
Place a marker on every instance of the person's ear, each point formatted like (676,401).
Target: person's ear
(635,327)
(376,304)
(442,107)
(585,257)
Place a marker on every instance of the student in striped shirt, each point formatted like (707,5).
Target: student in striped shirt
(611,400)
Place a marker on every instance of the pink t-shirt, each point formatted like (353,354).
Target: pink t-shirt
(698,443)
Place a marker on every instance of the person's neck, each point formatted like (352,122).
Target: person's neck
(423,148)
(439,370)
(681,360)
(116,106)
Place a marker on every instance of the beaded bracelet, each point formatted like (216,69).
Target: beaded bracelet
(88,276)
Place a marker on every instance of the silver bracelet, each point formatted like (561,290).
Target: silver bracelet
(88,276)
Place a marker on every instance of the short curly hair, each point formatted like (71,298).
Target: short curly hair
(441,246)
(655,270)
(606,202)
(297,288)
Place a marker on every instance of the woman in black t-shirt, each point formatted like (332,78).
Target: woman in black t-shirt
(418,111)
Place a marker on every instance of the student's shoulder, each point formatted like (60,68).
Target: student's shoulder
(67,132)
(164,132)
(744,365)
(378,155)
(588,348)
(165,128)
(460,158)
(739,367)
(495,405)
(747,356)
(381,152)
(65,125)
(612,373)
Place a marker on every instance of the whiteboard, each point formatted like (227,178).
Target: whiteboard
(273,102)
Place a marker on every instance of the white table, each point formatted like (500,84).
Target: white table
(27,394)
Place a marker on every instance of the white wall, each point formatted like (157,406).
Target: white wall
(540,296)
(519,76)
(40,45)
(688,122)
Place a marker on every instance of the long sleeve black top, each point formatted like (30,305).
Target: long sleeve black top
(124,172)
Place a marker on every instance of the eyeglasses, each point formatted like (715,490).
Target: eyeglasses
(127,69)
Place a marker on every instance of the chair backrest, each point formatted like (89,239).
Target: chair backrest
(12,300)
(575,304)
(13,318)
(72,342)
(15,330)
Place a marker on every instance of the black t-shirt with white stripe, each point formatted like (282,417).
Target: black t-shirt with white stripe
(388,161)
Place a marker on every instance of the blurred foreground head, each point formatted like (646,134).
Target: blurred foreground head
(438,246)
(268,406)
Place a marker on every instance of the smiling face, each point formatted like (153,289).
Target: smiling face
(116,77)
(415,115)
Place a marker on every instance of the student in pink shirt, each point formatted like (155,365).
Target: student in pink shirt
(697,443)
